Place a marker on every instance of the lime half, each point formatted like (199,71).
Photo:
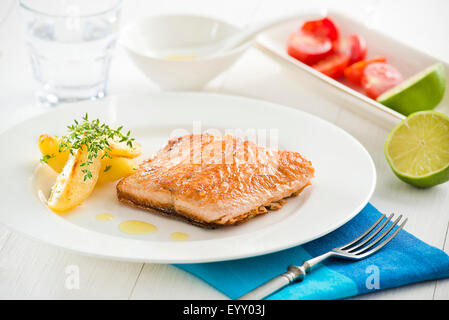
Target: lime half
(423,91)
(417,149)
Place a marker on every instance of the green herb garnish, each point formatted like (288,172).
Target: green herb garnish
(46,157)
(95,137)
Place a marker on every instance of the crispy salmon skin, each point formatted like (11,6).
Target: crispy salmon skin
(213,181)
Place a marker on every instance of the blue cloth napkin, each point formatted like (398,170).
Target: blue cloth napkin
(404,260)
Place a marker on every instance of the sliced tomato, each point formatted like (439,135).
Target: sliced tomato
(333,66)
(308,49)
(355,71)
(322,28)
(354,46)
(379,77)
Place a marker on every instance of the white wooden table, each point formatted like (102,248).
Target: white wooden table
(33,270)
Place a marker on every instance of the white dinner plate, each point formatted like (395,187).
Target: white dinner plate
(344,182)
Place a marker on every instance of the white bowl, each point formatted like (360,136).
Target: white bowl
(151,40)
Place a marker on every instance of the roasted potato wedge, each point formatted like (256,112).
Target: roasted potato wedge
(70,189)
(121,149)
(115,168)
(118,167)
(49,147)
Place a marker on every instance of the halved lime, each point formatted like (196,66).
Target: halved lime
(417,149)
(423,91)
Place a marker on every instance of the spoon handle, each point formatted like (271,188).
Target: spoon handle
(253,31)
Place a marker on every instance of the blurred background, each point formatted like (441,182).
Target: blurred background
(401,19)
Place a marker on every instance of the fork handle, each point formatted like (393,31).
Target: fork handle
(294,273)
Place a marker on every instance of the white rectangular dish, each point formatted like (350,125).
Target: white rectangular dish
(407,60)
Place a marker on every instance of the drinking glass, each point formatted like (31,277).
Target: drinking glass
(71,44)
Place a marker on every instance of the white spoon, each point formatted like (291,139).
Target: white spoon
(249,34)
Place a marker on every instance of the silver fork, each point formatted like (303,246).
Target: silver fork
(357,249)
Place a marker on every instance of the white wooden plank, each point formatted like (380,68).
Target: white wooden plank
(442,286)
(4,236)
(159,281)
(32,270)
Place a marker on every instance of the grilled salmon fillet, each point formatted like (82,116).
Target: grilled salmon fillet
(212,181)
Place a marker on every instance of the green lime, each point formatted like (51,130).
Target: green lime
(417,149)
(423,91)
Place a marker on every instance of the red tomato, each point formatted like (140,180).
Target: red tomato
(323,28)
(355,47)
(379,77)
(333,66)
(355,71)
(308,49)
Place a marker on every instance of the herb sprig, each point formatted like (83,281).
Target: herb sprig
(95,137)
(47,157)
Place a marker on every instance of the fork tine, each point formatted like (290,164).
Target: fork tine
(371,236)
(363,234)
(382,244)
(379,238)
